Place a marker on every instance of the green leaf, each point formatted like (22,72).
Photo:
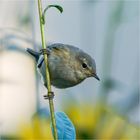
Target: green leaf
(55,6)
(58,7)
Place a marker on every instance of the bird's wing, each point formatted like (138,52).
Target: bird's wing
(57,47)
(60,50)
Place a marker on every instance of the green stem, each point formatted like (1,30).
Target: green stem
(47,79)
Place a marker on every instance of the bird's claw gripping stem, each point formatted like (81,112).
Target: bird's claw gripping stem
(43,51)
(50,96)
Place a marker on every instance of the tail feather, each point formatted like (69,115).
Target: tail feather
(33,53)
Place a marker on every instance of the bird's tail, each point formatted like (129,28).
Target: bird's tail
(33,53)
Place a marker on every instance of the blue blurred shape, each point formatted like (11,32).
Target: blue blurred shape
(65,128)
(43,112)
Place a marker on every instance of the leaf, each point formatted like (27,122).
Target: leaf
(65,128)
(58,7)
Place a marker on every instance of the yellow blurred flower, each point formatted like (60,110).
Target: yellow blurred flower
(38,130)
(98,123)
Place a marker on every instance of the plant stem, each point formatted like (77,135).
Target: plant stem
(47,79)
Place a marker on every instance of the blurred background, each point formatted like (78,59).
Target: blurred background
(106,29)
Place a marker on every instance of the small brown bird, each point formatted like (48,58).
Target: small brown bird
(68,65)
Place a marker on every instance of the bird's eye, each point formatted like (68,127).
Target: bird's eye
(84,65)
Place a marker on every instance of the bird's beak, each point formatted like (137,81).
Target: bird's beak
(96,76)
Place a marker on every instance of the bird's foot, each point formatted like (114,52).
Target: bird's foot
(50,96)
(43,51)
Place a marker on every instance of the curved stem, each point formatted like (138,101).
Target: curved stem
(47,79)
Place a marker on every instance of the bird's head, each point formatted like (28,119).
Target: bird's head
(86,66)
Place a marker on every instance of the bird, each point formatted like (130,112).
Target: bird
(68,65)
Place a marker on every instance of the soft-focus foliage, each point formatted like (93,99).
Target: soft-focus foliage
(99,123)
(90,122)
(40,128)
